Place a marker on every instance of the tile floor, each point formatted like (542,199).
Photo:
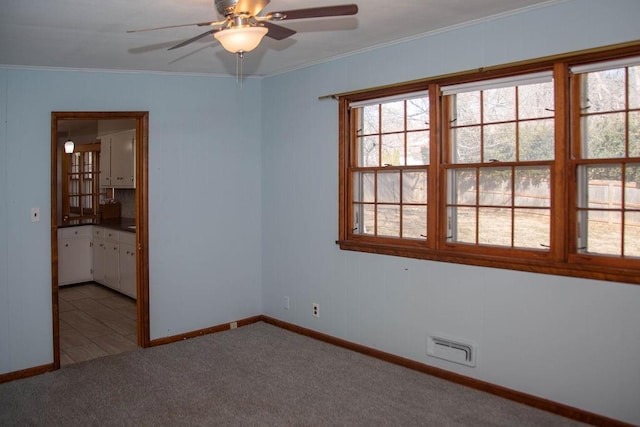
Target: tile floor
(94,322)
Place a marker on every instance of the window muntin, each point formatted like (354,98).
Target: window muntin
(501,147)
(608,162)
(389,171)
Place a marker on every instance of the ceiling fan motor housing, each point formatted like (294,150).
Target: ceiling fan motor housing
(226,7)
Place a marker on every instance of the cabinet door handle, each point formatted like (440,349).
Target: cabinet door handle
(66,245)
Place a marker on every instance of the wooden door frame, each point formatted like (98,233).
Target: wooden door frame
(142,218)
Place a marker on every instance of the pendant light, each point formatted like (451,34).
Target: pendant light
(69,145)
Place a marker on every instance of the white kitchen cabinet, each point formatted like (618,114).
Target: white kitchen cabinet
(99,256)
(112,265)
(117,160)
(127,258)
(115,257)
(75,260)
(105,161)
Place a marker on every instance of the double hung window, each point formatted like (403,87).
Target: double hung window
(390,169)
(499,155)
(606,130)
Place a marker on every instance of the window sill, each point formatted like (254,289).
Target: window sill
(546,266)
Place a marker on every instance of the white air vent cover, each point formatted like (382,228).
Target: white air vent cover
(453,350)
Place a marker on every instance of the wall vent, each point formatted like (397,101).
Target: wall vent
(452,350)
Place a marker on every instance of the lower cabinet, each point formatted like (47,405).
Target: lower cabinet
(114,260)
(127,264)
(99,256)
(74,255)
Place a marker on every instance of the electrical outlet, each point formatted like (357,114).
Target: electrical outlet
(287,302)
(316,309)
(233,325)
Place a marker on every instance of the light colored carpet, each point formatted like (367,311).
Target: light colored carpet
(255,375)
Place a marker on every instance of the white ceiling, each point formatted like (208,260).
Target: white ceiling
(91,34)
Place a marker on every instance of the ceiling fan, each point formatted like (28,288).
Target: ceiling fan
(244,26)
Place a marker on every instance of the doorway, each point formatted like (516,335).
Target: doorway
(79,198)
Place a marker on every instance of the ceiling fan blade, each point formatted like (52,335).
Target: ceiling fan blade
(277,32)
(250,7)
(191,40)
(200,24)
(315,12)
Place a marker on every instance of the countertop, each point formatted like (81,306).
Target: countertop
(120,224)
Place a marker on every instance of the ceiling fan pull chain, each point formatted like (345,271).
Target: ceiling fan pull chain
(239,58)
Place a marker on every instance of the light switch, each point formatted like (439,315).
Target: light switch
(35,214)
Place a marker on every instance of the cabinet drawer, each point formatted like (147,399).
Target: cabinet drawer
(71,232)
(128,238)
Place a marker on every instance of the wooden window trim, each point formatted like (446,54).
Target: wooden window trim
(562,258)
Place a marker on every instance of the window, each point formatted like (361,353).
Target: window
(500,151)
(607,152)
(534,167)
(80,192)
(389,173)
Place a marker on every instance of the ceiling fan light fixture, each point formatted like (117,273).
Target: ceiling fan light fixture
(240,39)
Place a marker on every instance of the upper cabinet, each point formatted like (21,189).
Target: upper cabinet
(117,160)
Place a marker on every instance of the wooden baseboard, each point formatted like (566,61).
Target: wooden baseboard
(497,390)
(26,373)
(205,331)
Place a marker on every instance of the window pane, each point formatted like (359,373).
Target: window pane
(604,136)
(368,219)
(370,119)
(414,187)
(494,226)
(632,186)
(368,154)
(500,142)
(392,116)
(418,148)
(532,186)
(605,186)
(466,109)
(536,140)
(418,113)
(605,90)
(466,144)
(389,221)
(462,224)
(632,234)
(393,149)
(414,222)
(363,187)
(495,187)
(464,183)
(531,228)
(535,101)
(389,187)
(634,134)
(604,232)
(634,87)
(499,104)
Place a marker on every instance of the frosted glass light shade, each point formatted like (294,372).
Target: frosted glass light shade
(241,39)
(68,147)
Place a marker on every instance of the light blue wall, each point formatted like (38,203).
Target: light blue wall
(573,341)
(204,198)
(4,229)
